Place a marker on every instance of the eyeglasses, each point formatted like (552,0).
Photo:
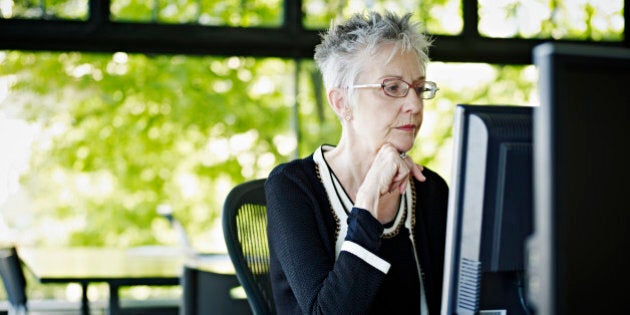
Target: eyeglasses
(399,88)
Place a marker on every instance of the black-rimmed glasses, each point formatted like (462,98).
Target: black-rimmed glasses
(399,88)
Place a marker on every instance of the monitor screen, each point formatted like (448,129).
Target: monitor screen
(577,253)
(490,210)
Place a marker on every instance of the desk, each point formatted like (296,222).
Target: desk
(116,267)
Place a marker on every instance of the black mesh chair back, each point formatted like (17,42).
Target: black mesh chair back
(13,280)
(245,232)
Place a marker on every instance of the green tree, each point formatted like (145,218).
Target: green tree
(130,132)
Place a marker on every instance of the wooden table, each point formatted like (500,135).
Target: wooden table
(117,267)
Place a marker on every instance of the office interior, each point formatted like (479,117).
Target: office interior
(97,96)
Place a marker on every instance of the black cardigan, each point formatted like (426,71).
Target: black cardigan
(306,278)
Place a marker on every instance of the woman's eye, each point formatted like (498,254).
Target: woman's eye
(393,87)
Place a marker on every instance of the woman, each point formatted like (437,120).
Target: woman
(359,228)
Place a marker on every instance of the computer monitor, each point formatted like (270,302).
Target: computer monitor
(489,211)
(577,257)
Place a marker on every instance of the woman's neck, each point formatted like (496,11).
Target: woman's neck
(350,168)
(350,165)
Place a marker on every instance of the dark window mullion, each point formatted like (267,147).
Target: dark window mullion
(293,16)
(470,10)
(99,12)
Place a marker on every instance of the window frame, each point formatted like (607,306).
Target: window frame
(291,40)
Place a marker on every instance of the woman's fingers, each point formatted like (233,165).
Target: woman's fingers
(403,186)
(416,171)
(395,169)
(408,166)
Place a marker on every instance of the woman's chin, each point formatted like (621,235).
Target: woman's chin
(403,146)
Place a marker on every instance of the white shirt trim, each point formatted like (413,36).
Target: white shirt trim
(366,256)
(339,200)
(335,203)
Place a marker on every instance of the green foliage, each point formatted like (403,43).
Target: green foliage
(130,132)
(243,13)
(318,123)
(438,16)
(45,9)
(577,20)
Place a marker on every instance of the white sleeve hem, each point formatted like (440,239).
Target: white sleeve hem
(366,256)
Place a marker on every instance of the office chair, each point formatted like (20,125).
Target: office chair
(245,233)
(14,280)
(15,284)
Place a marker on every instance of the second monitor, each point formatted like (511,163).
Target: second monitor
(490,210)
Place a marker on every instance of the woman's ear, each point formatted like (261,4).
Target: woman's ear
(337,100)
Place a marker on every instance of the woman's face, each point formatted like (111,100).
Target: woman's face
(379,118)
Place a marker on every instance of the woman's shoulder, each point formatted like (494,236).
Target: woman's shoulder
(302,169)
(433,174)
(434,180)
(296,176)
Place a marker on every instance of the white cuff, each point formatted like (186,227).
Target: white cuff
(366,256)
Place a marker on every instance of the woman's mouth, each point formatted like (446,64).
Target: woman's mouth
(407,128)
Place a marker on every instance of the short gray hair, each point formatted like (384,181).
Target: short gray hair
(345,47)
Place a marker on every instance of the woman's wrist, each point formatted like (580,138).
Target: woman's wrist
(364,230)
(367,201)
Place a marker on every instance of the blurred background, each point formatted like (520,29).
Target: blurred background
(92,144)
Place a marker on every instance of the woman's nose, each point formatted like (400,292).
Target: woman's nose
(413,102)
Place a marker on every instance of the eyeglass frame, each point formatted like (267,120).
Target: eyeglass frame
(423,84)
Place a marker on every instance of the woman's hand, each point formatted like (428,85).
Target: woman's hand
(388,174)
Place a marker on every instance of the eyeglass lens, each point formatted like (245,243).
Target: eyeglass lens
(400,88)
